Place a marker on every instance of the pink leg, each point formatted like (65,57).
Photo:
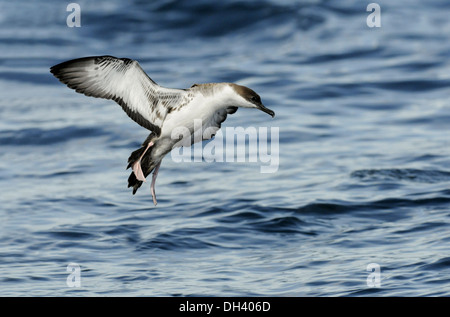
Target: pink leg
(136,167)
(152,187)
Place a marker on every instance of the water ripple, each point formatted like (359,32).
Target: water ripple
(408,174)
(39,137)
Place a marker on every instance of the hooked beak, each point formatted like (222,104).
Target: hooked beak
(266,110)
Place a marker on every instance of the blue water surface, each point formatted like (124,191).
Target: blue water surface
(364,152)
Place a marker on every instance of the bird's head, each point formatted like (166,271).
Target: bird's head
(246,98)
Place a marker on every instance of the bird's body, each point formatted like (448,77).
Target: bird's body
(161,110)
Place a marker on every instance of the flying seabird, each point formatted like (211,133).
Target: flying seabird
(154,107)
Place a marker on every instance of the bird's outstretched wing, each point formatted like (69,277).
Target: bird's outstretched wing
(124,81)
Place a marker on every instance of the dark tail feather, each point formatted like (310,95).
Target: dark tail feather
(133,182)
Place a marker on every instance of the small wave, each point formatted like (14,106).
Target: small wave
(423,227)
(352,54)
(71,235)
(284,225)
(37,79)
(440,264)
(37,136)
(380,205)
(412,175)
(62,173)
(413,85)
(241,216)
(171,241)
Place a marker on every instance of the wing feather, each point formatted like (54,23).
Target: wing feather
(216,121)
(124,81)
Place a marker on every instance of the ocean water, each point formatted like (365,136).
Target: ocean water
(363,174)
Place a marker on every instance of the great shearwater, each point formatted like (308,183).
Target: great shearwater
(154,107)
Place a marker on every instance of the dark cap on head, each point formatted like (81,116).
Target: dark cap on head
(251,96)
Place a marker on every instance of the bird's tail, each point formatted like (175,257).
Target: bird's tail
(147,164)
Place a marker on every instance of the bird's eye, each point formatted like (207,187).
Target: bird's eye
(256,99)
